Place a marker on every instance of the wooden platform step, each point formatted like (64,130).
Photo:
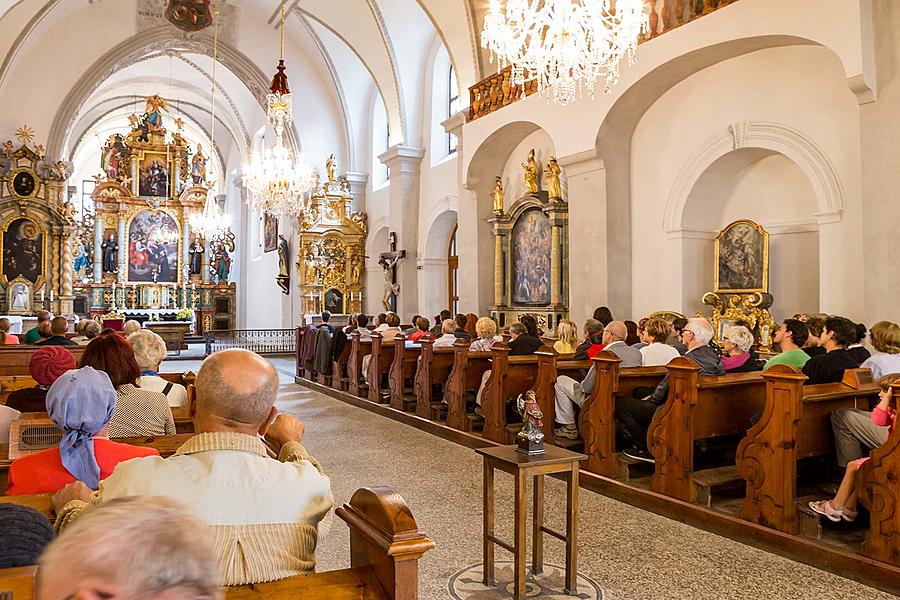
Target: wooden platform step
(809,522)
(707,479)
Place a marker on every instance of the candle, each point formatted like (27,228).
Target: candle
(51,295)
(42,295)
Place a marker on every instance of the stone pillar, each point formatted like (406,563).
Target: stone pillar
(122,260)
(205,262)
(67,272)
(557,213)
(357,183)
(555,264)
(98,248)
(185,244)
(498,268)
(403,163)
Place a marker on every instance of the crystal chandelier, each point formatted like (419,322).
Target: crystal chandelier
(278,183)
(564,44)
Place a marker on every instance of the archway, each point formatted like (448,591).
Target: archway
(434,263)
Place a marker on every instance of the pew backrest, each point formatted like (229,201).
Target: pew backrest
(14,359)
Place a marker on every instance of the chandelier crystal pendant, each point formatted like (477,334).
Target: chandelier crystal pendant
(279,183)
(566,45)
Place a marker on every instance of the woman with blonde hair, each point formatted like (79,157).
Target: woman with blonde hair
(885,338)
(566,337)
(486,330)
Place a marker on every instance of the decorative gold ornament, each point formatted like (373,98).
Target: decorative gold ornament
(25,134)
(531,174)
(554,189)
(497,195)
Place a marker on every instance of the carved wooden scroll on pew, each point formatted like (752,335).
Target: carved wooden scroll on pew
(796,423)
(380,364)
(698,407)
(878,488)
(433,369)
(358,349)
(468,369)
(403,368)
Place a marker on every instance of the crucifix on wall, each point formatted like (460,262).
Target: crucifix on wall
(388,262)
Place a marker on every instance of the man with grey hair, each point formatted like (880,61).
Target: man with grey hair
(87,329)
(570,392)
(147,547)
(263,514)
(633,415)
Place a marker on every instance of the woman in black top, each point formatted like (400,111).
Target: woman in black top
(837,334)
(859,353)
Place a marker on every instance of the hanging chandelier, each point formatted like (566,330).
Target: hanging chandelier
(566,45)
(279,183)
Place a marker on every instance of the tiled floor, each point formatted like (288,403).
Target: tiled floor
(630,553)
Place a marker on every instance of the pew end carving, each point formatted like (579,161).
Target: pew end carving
(597,421)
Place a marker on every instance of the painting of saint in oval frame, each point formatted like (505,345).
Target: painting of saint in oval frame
(531,259)
(742,258)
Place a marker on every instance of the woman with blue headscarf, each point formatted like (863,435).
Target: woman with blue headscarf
(81,403)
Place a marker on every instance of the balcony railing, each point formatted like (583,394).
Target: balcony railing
(261,341)
(496,91)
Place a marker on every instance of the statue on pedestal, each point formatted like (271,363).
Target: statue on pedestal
(531,174)
(110,253)
(284,274)
(498,195)
(196,252)
(531,439)
(554,189)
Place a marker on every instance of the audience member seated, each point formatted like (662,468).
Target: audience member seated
(883,418)
(130,327)
(147,548)
(633,415)
(7,415)
(570,392)
(530,324)
(45,366)
(448,334)
(352,323)
(678,326)
(326,317)
(633,337)
(791,337)
(859,352)
(486,330)
(80,403)
(44,332)
(566,337)
(421,330)
(642,334)
(592,343)
(460,331)
(265,526)
(58,328)
(522,342)
(149,352)
(409,332)
(440,318)
(885,339)
(813,346)
(389,332)
(33,336)
(381,322)
(857,431)
(738,356)
(138,412)
(87,329)
(9,338)
(656,352)
(25,533)
(362,322)
(837,334)
(604,315)
(471,320)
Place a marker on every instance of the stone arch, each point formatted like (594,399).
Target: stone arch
(432,261)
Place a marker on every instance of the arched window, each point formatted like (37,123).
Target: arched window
(381,135)
(452,108)
(453,273)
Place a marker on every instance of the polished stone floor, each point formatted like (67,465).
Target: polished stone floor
(630,553)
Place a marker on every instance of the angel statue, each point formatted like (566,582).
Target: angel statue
(531,174)
(531,438)
(497,195)
(554,189)
(155,106)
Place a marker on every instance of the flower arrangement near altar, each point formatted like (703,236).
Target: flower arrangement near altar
(184,314)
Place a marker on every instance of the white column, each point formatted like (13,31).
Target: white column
(122,259)
(98,248)
(404,164)
(357,183)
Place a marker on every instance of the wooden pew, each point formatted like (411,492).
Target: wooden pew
(510,376)
(795,424)
(385,548)
(403,369)
(14,359)
(877,489)
(433,369)
(698,407)
(339,366)
(12,383)
(550,366)
(597,421)
(380,364)
(184,415)
(358,349)
(468,369)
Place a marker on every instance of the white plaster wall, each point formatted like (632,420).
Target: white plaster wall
(802,87)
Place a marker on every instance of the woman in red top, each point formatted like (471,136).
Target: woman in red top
(81,403)
(422,329)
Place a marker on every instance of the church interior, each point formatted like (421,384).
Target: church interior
(285,283)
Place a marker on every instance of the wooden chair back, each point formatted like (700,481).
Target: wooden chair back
(465,376)
(379,364)
(403,370)
(433,369)
(358,349)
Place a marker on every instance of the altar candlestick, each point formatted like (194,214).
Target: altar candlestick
(42,295)
(51,295)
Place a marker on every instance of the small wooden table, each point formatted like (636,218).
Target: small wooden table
(522,466)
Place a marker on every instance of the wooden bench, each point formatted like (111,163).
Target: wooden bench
(510,376)
(385,548)
(597,420)
(358,349)
(379,365)
(795,424)
(433,369)
(14,359)
(550,366)
(403,370)
(698,407)
(12,383)
(465,377)
(339,367)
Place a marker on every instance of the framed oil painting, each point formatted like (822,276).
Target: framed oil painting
(23,248)
(153,175)
(531,259)
(270,233)
(153,248)
(742,258)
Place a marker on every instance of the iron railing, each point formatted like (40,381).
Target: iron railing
(261,341)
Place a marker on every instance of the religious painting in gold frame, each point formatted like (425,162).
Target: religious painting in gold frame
(23,249)
(742,259)
(154,174)
(154,247)
(270,233)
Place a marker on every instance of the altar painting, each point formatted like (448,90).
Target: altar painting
(153,248)
(742,258)
(23,250)
(531,259)
(153,175)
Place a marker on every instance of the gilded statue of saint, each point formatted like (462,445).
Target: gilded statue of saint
(554,190)
(498,195)
(331,166)
(531,174)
